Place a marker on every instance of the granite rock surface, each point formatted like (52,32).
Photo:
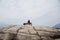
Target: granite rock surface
(29,32)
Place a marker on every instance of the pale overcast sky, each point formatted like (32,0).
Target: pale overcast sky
(19,11)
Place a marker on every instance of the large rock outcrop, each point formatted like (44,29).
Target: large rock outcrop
(29,32)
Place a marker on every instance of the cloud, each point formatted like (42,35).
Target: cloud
(21,10)
(50,19)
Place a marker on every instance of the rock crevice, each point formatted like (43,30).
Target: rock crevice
(29,33)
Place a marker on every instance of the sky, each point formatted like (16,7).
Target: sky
(38,11)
